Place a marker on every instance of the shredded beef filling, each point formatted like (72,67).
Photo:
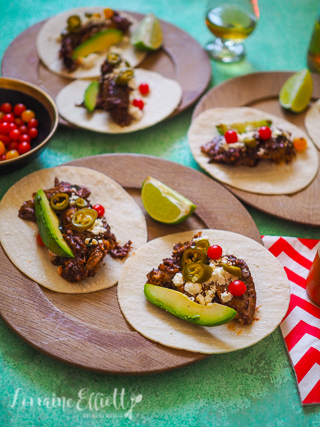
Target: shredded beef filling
(275,150)
(87,257)
(73,39)
(244,305)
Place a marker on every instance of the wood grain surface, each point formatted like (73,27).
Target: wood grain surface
(89,331)
(181,59)
(261,90)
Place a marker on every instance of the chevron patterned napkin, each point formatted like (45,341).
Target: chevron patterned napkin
(301,325)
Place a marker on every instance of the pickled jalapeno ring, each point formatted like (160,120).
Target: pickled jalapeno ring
(81,203)
(74,22)
(59,201)
(113,58)
(125,76)
(83,219)
(232,269)
(203,245)
(197,272)
(250,142)
(193,255)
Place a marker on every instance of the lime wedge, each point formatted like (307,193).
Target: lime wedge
(296,93)
(165,204)
(148,34)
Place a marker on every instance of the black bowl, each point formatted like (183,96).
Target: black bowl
(18,91)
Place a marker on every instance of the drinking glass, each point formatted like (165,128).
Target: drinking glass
(230,21)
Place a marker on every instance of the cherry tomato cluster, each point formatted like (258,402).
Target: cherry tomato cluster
(144,89)
(18,126)
(231,136)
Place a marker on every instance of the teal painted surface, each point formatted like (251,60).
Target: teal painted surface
(255,386)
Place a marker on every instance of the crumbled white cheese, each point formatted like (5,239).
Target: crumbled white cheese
(226,296)
(191,298)
(207,299)
(87,241)
(97,227)
(210,292)
(135,112)
(73,197)
(132,83)
(88,61)
(227,147)
(261,151)
(178,279)
(220,276)
(94,242)
(200,299)
(192,288)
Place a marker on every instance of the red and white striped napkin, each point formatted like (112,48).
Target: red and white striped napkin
(301,325)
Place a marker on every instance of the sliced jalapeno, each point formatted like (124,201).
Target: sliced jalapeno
(59,201)
(250,142)
(232,269)
(203,245)
(193,255)
(74,22)
(83,219)
(125,76)
(113,58)
(81,203)
(197,272)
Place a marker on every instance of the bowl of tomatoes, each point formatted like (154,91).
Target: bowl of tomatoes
(28,120)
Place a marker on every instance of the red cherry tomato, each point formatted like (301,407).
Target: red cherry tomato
(39,240)
(99,209)
(33,123)
(5,139)
(4,128)
(11,154)
(14,134)
(237,288)
(265,132)
(24,147)
(9,118)
(138,103)
(23,130)
(144,89)
(231,137)
(6,107)
(13,145)
(214,252)
(18,109)
(18,121)
(25,138)
(33,132)
(12,126)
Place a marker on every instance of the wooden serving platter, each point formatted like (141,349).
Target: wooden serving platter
(88,330)
(261,90)
(181,58)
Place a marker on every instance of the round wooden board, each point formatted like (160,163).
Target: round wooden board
(181,59)
(88,330)
(261,90)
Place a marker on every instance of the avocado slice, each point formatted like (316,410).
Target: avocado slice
(97,43)
(48,224)
(91,95)
(179,304)
(241,127)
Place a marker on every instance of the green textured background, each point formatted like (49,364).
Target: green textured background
(255,386)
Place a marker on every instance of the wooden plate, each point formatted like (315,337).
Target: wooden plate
(181,59)
(89,330)
(261,90)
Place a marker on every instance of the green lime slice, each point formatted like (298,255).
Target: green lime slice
(148,34)
(165,204)
(296,93)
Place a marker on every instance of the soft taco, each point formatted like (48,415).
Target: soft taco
(312,123)
(112,238)
(55,48)
(164,95)
(269,166)
(260,309)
